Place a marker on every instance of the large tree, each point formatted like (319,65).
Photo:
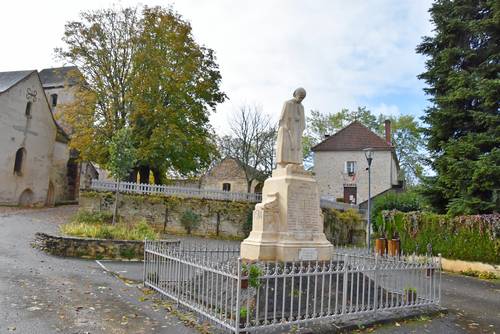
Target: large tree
(143,71)
(175,83)
(405,136)
(251,142)
(102,44)
(463,122)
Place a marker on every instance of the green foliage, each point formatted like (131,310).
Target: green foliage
(103,230)
(175,86)
(92,217)
(404,202)
(406,136)
(247,226)
(463,121)
(190,220)
(143,70)
(254,273)
(469,238)
(122,154)
(243,313)
(340,225)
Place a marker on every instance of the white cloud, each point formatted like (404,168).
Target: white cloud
(342,52)
(387,110)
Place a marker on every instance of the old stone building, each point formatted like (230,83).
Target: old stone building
(36,165)
(30,141)
(229,175)
(340,164)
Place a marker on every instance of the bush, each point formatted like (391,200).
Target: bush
(190,220)
(139,231)
(404,202)
(92,217)
(469,238)
(341,225)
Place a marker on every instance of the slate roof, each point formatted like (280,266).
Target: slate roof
(58,76)
(354,137)
(9,79)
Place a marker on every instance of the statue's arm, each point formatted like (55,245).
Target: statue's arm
(282,123)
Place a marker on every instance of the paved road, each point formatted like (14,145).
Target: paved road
(45,294)
(42,294)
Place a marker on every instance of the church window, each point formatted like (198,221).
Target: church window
(18,164)
(27,112)
(226,186)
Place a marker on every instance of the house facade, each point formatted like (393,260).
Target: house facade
(229,175)
(340,164)
(30,140)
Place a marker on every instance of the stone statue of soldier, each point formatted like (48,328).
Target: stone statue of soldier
(291,126)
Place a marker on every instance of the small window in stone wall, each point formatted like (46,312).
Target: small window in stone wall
(53,100)
(27,111)
(226,186)
(18,164)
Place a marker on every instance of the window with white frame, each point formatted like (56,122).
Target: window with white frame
(350,167)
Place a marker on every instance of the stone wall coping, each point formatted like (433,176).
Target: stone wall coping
(66,237)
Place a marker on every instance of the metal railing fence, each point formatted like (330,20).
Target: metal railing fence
(142,188)
(241,296)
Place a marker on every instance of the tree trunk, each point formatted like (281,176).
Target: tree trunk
(115,209)
(157,175)
(132,176)
(144,174)
(249,186)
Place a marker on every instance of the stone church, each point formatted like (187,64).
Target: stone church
(36,165)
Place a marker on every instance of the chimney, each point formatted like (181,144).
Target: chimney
(387,124)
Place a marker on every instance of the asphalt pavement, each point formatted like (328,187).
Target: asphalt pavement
(43,294)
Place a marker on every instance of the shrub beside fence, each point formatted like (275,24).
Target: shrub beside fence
(469,238)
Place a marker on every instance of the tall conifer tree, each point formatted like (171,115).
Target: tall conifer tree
(463,122)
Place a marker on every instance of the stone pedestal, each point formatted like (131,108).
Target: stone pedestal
(288,224)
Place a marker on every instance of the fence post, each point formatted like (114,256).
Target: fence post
(238,288)
(178,294)
(440,268)
(145,263)
(375,284)
(344,287)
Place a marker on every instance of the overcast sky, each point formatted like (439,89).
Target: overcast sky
(345,53)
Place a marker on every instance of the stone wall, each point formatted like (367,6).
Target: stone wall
(166,212)
(89,248)
(223,218)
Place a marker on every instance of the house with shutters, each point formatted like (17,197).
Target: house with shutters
(340,165)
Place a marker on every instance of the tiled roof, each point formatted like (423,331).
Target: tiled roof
(9,79)
(354,137)
(59,76)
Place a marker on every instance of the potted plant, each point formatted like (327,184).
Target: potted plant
(394,245)
(380,243)
(410,295)
(244,276)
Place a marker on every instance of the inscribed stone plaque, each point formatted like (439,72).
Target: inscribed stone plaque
(303,208)
(308,254)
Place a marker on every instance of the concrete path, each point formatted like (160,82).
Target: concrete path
(42,294)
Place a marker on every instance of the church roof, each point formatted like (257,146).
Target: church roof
(9,79)
(59,76)
(354,137)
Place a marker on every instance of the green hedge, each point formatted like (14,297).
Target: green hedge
(469,238)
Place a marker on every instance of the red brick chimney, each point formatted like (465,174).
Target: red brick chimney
(387,124)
